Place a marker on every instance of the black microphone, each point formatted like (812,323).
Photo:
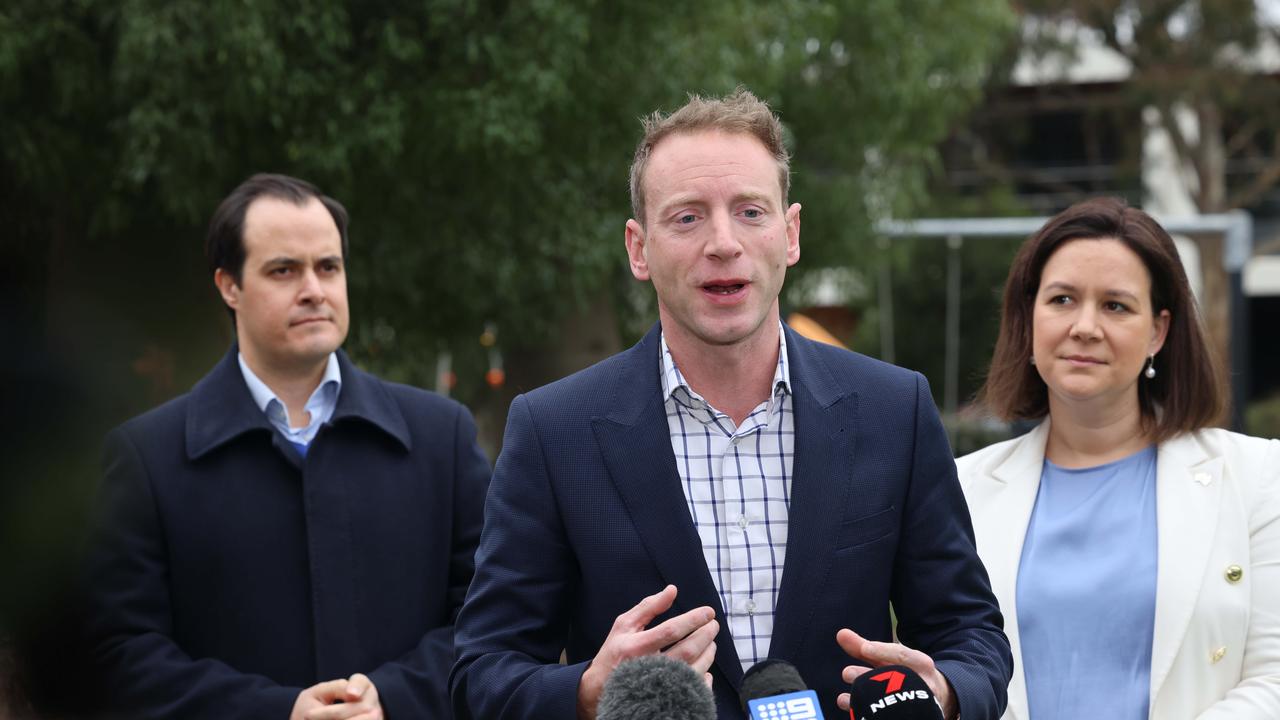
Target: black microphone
(892,692)
(655,687)
(773,690)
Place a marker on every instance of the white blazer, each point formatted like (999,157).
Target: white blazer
(1216,651)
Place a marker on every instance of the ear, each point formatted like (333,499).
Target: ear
(636,250)
(793,234)
(1160,331)
(227,287)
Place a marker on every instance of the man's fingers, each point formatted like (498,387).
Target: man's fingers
(706,677)
(672,630)
(339,711)
(691,646)
(851,673)
(703,661)
(883,653)
(647,609)
(356,686)
(842,701)
(328,691)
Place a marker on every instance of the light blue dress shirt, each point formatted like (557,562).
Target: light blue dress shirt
(1087,591)
(320,405)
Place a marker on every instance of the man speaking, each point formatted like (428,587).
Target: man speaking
(724,491)
(292,538)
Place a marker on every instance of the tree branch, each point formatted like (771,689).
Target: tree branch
(1262,182)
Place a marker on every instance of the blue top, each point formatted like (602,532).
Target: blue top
(1087,591)
(320,406)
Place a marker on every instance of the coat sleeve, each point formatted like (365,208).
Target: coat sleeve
(513,626)
(941,593)
(416,685)
(1257,695)
(142,671)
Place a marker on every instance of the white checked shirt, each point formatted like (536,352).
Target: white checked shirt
(737,481)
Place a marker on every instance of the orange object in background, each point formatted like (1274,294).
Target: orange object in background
(812,329)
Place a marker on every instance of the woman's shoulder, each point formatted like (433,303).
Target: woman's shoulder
(992,456)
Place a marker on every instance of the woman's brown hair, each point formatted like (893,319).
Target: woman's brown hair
(1187,392)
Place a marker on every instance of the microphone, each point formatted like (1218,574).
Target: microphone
(655,687)
(772,690)
(892,692)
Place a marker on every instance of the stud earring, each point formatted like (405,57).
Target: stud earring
(1150,372)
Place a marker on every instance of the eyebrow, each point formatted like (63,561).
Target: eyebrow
(696,199)
(291,261)
(1072,288)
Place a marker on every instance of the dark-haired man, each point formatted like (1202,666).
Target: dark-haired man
(292,538)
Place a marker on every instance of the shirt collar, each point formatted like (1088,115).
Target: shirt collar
(330,384)
(673,379)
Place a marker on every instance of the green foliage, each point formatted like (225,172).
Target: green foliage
(1262,418)
(481,147)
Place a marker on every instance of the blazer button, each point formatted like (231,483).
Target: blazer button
(1234,573)
(1218,654)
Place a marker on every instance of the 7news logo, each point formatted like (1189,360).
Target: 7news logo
(893,692)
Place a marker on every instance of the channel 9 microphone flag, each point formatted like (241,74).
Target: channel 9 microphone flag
(773,690)
(655,687)
(892,692)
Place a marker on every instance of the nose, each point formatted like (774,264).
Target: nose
(1086,325)
(723,243)
(312,291)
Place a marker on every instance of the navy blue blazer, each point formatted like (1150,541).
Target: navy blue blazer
(230,572)
(586,516)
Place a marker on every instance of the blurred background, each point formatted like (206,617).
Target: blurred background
(482,147)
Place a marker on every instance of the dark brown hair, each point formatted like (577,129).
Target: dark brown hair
(224,243)
(1187,392)
(739,112)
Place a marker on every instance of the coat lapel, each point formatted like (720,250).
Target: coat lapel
(825,428)
(636,445)
(1001,502)
(1188,492)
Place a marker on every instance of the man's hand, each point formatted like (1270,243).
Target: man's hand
(317,696)
(352,699)
(882,653)
(690,637)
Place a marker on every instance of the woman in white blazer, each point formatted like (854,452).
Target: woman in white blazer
(1134,549)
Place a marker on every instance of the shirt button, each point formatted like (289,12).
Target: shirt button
(743,522)
(750,606)
(735,440)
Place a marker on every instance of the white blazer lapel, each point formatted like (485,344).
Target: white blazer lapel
(1188,492)
(1001,503)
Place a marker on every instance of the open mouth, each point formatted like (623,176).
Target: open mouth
(725,289)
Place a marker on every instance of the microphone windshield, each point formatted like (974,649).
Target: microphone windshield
(774,690)
(892,692)
(655,686)
(770,677)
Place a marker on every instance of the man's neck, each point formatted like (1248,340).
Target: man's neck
(1086,435)
(735,378)
(293,384)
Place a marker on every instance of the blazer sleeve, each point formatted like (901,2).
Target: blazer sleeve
(513,626)
(416,685)
(1257,695)
(941,593)
(142,671)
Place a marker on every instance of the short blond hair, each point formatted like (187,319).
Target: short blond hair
(739,112)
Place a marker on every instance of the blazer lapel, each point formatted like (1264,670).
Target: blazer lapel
(636,445)
(1188,492)
(1001,503)
(826,421)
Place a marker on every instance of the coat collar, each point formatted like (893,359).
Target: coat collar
(1188,494)
(1005,506)
(635,442)
(221,408)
